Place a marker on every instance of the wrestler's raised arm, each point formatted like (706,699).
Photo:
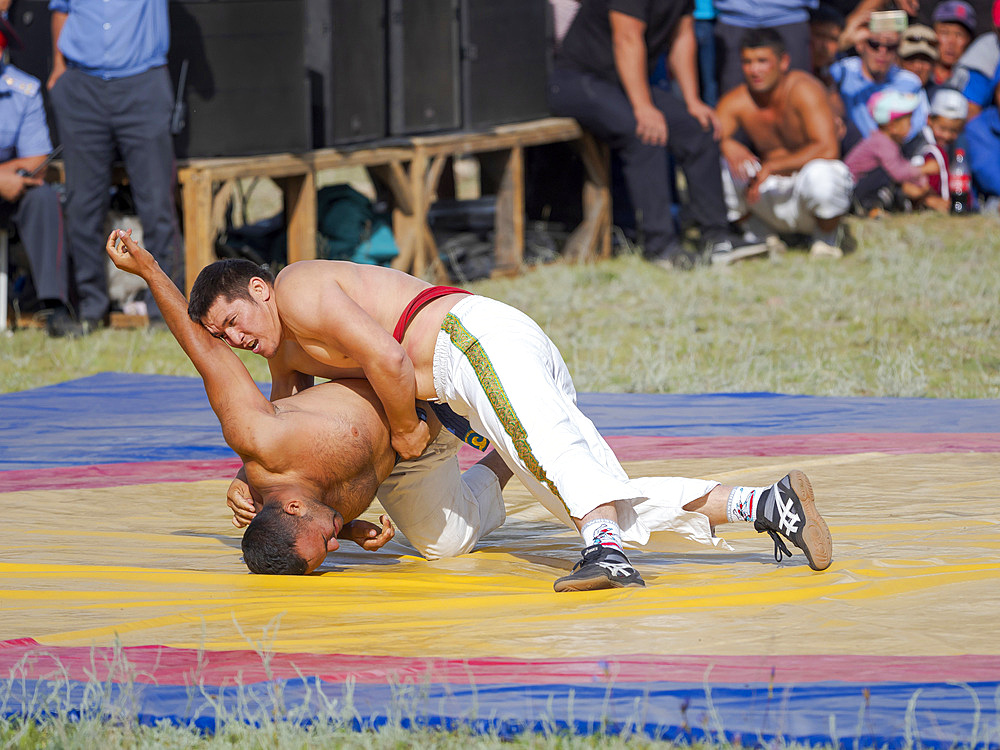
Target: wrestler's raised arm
(234,396)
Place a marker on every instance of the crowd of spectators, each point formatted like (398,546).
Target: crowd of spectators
(814,109)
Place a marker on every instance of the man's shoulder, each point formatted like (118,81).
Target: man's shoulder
(735,101)
(17,82)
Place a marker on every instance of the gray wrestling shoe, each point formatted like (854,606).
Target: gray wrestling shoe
(601,568)
(788,508)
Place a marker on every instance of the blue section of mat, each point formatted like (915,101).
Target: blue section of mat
(888,715)
(119,418)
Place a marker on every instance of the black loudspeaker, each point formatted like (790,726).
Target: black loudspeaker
(239,67)
(424,85)
(30,19)
(345,44)
(504,61)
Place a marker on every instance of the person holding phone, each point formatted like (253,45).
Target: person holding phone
(27,203)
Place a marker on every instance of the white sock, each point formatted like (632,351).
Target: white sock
(742,504)
(604,532)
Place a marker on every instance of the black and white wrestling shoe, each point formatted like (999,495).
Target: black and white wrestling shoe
(789,509)
(601,568)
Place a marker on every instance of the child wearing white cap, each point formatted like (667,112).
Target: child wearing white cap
(881,173)
(948,113)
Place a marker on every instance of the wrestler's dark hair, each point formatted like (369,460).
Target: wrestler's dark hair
(269,543)
(763,37)
(228,278)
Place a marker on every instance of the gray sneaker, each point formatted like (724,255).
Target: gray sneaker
(789,509)
(601,568)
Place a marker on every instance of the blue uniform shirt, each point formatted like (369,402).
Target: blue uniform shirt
(114,38)
(23,130)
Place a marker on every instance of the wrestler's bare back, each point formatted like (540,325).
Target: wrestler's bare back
(331,440)
(326,295)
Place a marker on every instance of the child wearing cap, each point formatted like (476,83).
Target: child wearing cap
(949,110)
(877,163)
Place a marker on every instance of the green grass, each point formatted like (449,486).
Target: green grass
(914,312)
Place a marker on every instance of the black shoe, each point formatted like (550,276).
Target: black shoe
(675,256)
(731,247)
(601,568)
(788,508)
(62,324)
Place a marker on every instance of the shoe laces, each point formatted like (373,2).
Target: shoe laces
(590,554)
(781,551)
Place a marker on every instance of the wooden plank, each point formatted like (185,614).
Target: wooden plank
(509,221)
(300,213)
(199,250)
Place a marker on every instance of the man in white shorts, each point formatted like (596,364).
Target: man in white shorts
(792,182)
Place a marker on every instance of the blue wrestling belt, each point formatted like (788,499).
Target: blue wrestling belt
(457,425)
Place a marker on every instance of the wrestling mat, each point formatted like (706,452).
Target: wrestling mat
(123,589)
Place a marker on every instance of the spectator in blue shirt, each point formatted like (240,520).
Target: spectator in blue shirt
(874,69)
(110,89)
(26,202)
(983,136)
(978,69)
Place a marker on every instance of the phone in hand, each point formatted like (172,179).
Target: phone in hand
(888,22)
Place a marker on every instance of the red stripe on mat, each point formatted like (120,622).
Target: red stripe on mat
(628,448)
(164,665)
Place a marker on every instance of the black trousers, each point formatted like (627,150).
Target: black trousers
(38,218)
(96,117)
(602,108)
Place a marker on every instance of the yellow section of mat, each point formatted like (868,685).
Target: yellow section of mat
(916,548)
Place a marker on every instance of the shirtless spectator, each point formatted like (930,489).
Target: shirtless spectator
(792,182)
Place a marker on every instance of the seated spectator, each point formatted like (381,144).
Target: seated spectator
(978,70)
(918,53)
(880,171)
(601,77)
(983,136)
(955,25)
(875,69)
(26,202)
(790,18)
(826,24)
(793,182)
(945,123)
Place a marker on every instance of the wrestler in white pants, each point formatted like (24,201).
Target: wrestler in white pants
(792,204)
(444,512)
(495,366)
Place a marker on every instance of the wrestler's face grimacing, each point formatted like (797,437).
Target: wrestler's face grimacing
(246,323)
(317,535)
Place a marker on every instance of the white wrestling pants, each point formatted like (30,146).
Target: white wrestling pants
(791,204)
(442,511)
(494,365)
